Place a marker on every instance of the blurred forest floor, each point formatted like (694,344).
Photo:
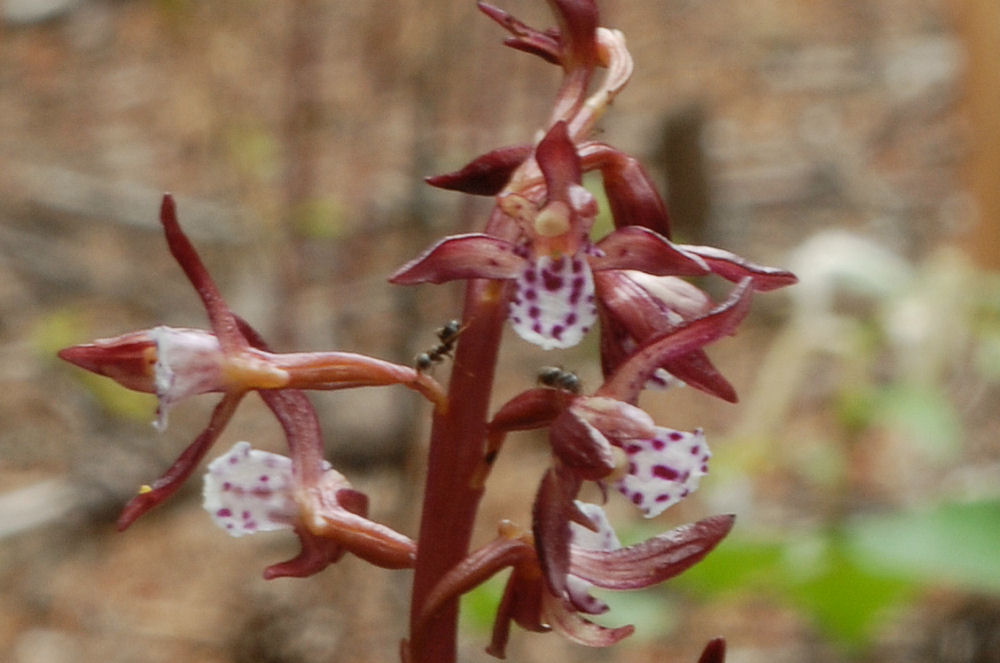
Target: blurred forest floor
(827,137)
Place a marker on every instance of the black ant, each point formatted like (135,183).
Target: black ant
(447,336)
(558,378)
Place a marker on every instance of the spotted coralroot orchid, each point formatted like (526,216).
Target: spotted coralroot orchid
(551,261)
(537,265)
(176,363)
(595,559)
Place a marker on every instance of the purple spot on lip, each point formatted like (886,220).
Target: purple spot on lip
(675,436)
(552,282)
(658,445)
(224,513)
(665,472)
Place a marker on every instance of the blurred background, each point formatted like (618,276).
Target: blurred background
(856,143)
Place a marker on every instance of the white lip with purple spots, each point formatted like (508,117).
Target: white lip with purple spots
(664,469)
(553,304)
(247,491)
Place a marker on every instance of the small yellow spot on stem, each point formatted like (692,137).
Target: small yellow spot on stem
(145,488)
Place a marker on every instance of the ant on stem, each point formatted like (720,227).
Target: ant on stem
(447,335)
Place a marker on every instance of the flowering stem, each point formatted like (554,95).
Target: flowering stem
(451,495)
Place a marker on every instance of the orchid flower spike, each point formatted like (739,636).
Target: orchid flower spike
(232,359)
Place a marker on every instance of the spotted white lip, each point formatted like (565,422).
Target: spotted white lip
(553,304)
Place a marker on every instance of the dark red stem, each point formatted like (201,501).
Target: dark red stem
(451,494)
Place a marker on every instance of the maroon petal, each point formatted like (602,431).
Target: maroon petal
(714,652)
(469,256)
(317,553)
(486,175)
(300,424)
(635,247)
(577,32)
(221,318)
(629,378)
(182,468)
(696,370)
(653,560)
(559,162)
(552,513)
(530,409)
(127,359)
(581,447)
(632,196)
(569,623)
(521,603)
(543,44)
(734,268)
(476,568)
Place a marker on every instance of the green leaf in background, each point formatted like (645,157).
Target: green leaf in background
(844,600)
(479,607)
(956,543)
(812,572)
(735,566)
(925,415)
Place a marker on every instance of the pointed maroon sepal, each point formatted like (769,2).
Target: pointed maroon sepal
(485,175)
(735,268)
(530,409)
(638,248)
(630,377)
(714,652)
(525,38)
(697,371)
(559,162)
(577,32)
(469,256)
(316,554)
(161,489)
(553,511)
(222,321)
(654,560)
(128,359)
(632,196)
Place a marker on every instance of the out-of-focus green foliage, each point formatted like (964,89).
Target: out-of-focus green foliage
(952,543)
(816,574)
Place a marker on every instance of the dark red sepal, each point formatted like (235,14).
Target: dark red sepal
(735,268)
(317,553)
(577,32)
(222,321)
(485,175)
(559,162)
(632,196)
(631,375)
(552,513)
(545,45)
(182,468)
(714,652)
(697,371)
(533,408)
(654,560)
